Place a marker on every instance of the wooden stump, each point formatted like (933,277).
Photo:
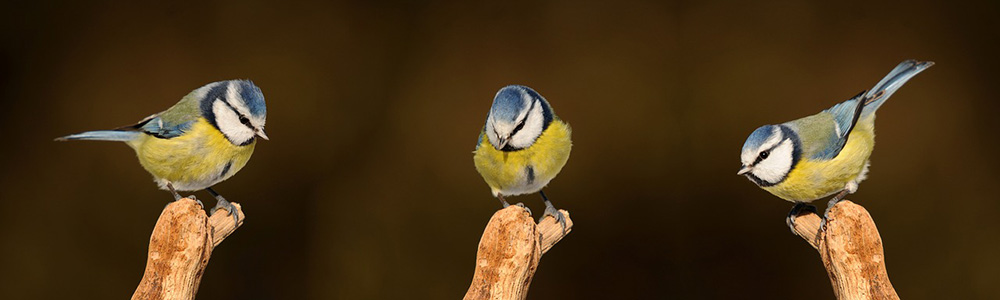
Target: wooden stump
(179,249)
(509,251)
(851,250)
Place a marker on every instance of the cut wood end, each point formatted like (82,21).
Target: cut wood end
(223,224)
(221,221)
(807,227)
(552,232)
(846,216)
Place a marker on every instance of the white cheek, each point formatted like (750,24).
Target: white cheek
(747,157)
(229,123)
(531,130)
(774,168)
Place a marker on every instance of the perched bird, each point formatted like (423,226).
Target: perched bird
(202,140)
(522,146)
(823,154)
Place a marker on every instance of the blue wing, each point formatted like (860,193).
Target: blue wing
(152,125)
(482,134)
(845,116)
(158,127)
(892,82)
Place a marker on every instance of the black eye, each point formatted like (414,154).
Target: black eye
(245,121)
(764,154)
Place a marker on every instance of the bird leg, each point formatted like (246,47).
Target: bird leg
(799,206)
(173,191)
(833,202)
(221,203)
(178,196)
(551,210)
(505,204)
(502,201)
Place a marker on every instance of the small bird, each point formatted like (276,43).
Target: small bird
(202,140)
(823,154)
(522,146)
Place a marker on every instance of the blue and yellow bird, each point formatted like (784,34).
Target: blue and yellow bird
(202,140)
(522,146)
(823,154)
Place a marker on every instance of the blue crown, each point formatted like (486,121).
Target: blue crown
(253,97)
(758,137)
(510,101)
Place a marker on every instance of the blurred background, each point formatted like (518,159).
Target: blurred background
(367,189)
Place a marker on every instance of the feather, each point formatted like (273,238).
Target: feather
(102,135)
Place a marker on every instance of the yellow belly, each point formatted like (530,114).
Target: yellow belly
(196,160)
(815,179)
(527,170)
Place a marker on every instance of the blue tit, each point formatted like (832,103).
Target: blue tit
(823,154)
(202,140)
(522,146)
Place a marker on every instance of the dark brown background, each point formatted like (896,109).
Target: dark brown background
(367,189)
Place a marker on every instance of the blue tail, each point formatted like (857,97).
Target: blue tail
(892,82)
(103,135)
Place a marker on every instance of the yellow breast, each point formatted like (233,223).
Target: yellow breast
(527,170)
(814,179)
(198,159)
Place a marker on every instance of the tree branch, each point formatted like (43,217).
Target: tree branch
(509,251)
(851,250)
(180,247)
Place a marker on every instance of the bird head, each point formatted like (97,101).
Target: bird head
(236,108)
(517,118)
(769,154)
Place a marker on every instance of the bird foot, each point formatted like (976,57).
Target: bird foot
(799,206)
(829,205)
(555,213)
(222,204)
(524,207)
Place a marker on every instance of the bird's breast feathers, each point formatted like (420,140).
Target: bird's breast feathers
(527,170)
(197,159)
(814,178)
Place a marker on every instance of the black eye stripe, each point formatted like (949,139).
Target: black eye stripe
(243,119)
(520,125)
(766,153)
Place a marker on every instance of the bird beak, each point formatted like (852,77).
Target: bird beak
(260,132)
(503,143)
(744,170)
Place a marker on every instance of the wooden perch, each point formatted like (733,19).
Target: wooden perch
(509,252)
(179,249)
(851,249)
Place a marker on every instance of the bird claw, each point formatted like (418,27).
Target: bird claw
(829,205)
(792,214)
(521,204)
(555,213)
(222,204)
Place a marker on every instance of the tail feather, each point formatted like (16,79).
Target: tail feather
(892,82)
(102,135)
